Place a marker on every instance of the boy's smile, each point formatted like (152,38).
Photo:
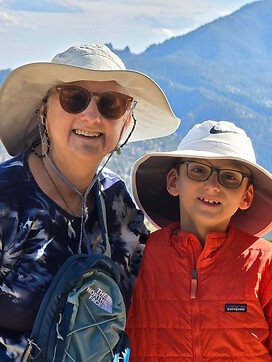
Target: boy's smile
(209,201)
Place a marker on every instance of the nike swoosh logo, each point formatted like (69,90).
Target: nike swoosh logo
(216,131)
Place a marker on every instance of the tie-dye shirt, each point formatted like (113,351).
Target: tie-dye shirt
(37,236)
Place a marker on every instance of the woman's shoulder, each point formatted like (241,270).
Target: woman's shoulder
(117,197)
(109,178)
(12,171)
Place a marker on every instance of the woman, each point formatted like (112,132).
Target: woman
(60,120)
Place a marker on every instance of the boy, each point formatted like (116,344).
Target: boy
(204,291)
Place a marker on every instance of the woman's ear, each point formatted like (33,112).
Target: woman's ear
(40,110)
(247,198)
(127,121)
(172,182)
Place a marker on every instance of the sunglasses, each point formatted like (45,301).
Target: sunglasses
(198,171)
(75,99)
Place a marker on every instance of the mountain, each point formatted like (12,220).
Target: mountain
(3,74)
(220,71)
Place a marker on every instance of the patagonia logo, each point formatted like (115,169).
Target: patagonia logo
(100,298)
(235,307)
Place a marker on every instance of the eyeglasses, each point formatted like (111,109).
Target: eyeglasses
(75,99)
(198,171)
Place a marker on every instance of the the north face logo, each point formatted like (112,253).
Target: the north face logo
(100,298)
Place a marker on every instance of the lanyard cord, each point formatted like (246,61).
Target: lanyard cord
(84,208)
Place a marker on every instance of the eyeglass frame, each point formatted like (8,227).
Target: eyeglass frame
(217,170)
(58,88)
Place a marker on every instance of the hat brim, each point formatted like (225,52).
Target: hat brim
(24,88)
(148,176)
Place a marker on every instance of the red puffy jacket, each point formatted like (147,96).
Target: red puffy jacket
(210,304)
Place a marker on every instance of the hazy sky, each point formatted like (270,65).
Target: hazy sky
(36,30)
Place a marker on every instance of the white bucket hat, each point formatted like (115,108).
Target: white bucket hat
(24,88)
(208,140)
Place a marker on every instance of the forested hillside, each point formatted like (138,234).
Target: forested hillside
(222,70)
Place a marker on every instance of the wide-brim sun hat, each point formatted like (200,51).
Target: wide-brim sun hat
(24,88)
(209,140)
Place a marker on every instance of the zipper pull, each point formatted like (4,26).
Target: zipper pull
(59,336)
(194,284)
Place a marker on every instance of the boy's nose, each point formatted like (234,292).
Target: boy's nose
(213,180)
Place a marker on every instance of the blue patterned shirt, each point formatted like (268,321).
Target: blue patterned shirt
(37,236)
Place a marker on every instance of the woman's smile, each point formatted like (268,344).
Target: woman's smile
(81,132)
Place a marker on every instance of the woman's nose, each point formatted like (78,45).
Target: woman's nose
(92,113)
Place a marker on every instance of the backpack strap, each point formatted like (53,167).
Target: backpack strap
(102,218)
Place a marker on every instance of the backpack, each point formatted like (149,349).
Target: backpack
(83,315)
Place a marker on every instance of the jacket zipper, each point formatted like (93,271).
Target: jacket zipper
(196,340)
(194,284)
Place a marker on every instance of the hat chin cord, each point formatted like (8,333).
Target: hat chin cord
(45,144)
(118,148)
